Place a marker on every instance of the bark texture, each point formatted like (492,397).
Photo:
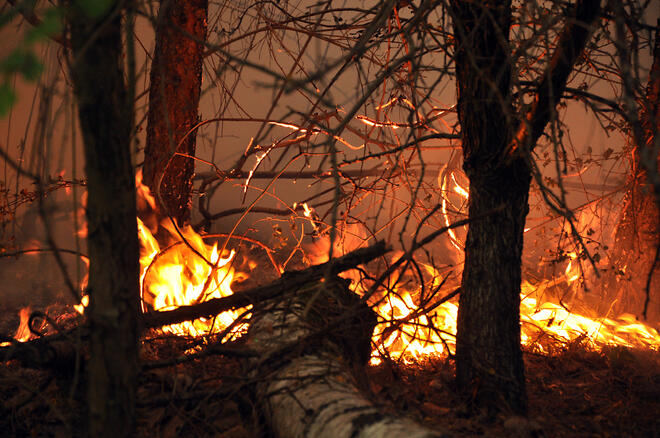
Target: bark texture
(104,113)
(489,361)
(489,365)
(176,80)
(307,343)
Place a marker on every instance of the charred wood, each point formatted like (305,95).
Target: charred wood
(58,353)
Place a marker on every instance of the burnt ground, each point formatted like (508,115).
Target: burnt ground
(573,392)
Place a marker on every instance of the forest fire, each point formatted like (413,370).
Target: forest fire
(395,218)
(189,271)
(192,272)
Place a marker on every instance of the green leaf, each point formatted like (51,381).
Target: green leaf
(51,24)
(7,98)
(24,62)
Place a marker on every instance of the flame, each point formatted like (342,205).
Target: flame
(23,333)
(433,333)
(409,332)
(188,271)
(185,272)
(572,269)
(454,196)
(401,336)
(84,302)
(549,319)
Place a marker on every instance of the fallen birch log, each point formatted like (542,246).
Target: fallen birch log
(308,342)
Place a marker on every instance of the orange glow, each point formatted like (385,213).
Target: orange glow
(190,271)
(23,333)
(369,122)
(454,200)
(186,272)
(433,334)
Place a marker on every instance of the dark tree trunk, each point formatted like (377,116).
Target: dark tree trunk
(176,79)
(488,357)
(105,120)
(496,145)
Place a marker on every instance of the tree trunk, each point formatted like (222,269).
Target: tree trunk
(489,361)
(105,122)
(176,79)
(489,365)
(307,342)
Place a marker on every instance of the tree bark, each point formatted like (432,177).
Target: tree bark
(176,80)
(307,343)
(489,365)
(488,357)
(105,122)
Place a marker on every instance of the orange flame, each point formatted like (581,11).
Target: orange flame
(186,272)
(23,333)
(189,271)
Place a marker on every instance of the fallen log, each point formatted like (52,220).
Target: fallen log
(288,281)
(59,350)
(308,343)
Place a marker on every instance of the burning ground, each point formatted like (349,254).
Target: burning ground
(587,375)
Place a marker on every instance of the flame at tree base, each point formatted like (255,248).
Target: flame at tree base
(544,326)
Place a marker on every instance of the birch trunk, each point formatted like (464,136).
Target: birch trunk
(308,344)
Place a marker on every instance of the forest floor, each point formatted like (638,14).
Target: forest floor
(573,392)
